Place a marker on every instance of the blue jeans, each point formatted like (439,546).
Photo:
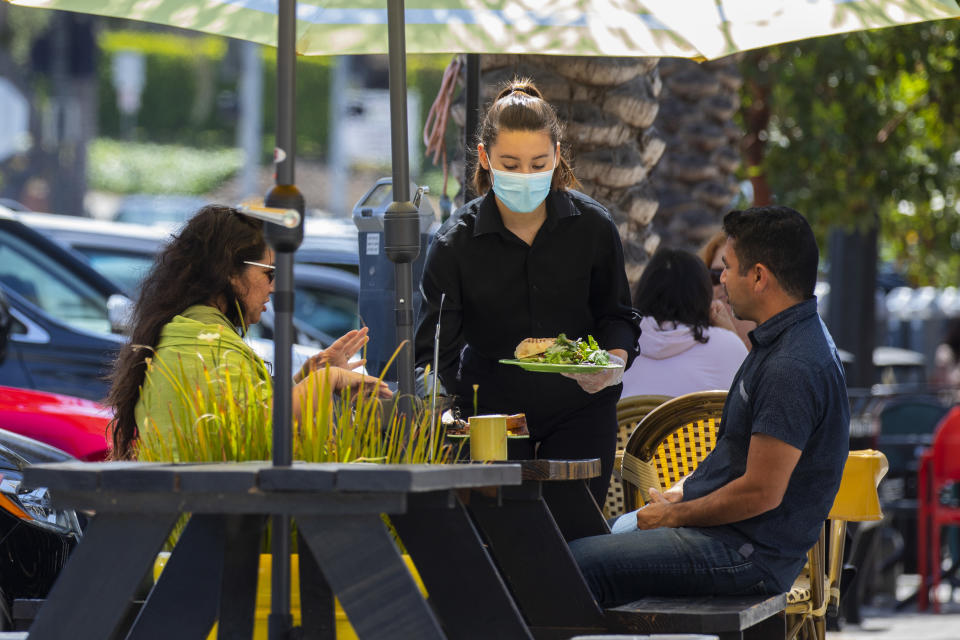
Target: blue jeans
(623,567)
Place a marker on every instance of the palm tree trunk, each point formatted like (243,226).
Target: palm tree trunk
(695,181)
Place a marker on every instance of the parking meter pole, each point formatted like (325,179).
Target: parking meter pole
(401,222)
(284,242)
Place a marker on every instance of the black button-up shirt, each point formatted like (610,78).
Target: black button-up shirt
(499,290)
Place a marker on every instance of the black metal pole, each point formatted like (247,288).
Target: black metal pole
(284,242)
(472,104)
(401,222)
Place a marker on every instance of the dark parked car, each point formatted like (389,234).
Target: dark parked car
(68,319)
(326,289)
(35,538)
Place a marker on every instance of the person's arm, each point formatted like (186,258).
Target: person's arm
(770,463)
(618,324)
(440,276)
(332,380)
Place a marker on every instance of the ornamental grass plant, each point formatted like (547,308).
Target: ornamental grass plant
(226,416)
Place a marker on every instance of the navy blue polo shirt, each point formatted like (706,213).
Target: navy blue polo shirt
(791,386)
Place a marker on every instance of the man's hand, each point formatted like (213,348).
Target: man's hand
(657,513)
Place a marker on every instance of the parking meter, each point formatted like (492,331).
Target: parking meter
(376,302)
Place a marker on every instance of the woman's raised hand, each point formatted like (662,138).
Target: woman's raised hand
(337,354)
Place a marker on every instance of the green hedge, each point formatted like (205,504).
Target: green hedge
(126,167)
(186,74)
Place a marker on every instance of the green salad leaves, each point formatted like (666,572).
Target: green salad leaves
(567,351)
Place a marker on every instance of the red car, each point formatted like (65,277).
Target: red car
(74,425)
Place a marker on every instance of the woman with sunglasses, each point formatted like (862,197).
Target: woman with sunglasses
(721,315)
(680,352)
(208,285)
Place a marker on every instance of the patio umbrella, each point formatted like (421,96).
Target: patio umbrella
(701,29)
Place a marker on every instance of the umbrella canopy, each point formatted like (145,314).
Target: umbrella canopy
(700,29)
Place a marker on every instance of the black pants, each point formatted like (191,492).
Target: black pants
(589,432)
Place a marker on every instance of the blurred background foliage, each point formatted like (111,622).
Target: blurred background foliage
(863,130)
(191,82)
(139,167)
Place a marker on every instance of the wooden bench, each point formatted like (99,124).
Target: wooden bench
(727,617)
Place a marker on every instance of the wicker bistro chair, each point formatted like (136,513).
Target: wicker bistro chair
(630,411)
(856,501)
(669,443)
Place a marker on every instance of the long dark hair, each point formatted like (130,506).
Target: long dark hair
(194,268)
(520,107)
(675,287)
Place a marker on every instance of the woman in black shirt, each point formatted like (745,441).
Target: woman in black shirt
(529,259)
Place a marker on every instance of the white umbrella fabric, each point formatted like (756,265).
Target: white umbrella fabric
(699,29)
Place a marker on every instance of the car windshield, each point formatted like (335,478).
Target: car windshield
(124,268)
(332,312)
(49,285)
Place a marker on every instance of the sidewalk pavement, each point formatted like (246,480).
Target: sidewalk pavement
(887,623)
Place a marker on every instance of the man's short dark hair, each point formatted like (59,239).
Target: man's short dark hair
(780,239)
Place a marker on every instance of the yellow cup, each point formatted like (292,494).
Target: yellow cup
(488,437)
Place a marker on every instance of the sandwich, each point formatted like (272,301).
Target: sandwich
(533,348)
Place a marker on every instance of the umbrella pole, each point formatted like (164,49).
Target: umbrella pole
(284,242)
(401,222)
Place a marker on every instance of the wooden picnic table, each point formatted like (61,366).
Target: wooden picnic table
(211,574)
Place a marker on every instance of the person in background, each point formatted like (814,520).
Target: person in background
(530,258)
(946,360)
(743,521)
(679,351)
(721,315)
(208,284)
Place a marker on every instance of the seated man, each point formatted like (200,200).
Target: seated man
(744,520)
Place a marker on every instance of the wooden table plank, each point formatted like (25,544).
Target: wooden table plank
(536,561)
(192,574)
(549,470)
(425,477)
(301,476)
(93,590)
(465,587)
(365,570)
(224,477)
(254,502)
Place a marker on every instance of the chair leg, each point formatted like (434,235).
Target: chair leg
(923,555)
(934,559)
(795,626)
(820,628)
(809,629)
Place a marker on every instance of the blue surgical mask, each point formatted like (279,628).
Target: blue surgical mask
(521,192)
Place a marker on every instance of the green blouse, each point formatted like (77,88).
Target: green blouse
(199,356)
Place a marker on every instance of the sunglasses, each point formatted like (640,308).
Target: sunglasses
(715,276)
(271,272)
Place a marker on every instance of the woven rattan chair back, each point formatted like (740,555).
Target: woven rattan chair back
(630,411)
(669,443)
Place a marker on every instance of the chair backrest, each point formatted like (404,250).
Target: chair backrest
(669,443)
(904,422)
(856,501)
(630,411)
(946,449)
